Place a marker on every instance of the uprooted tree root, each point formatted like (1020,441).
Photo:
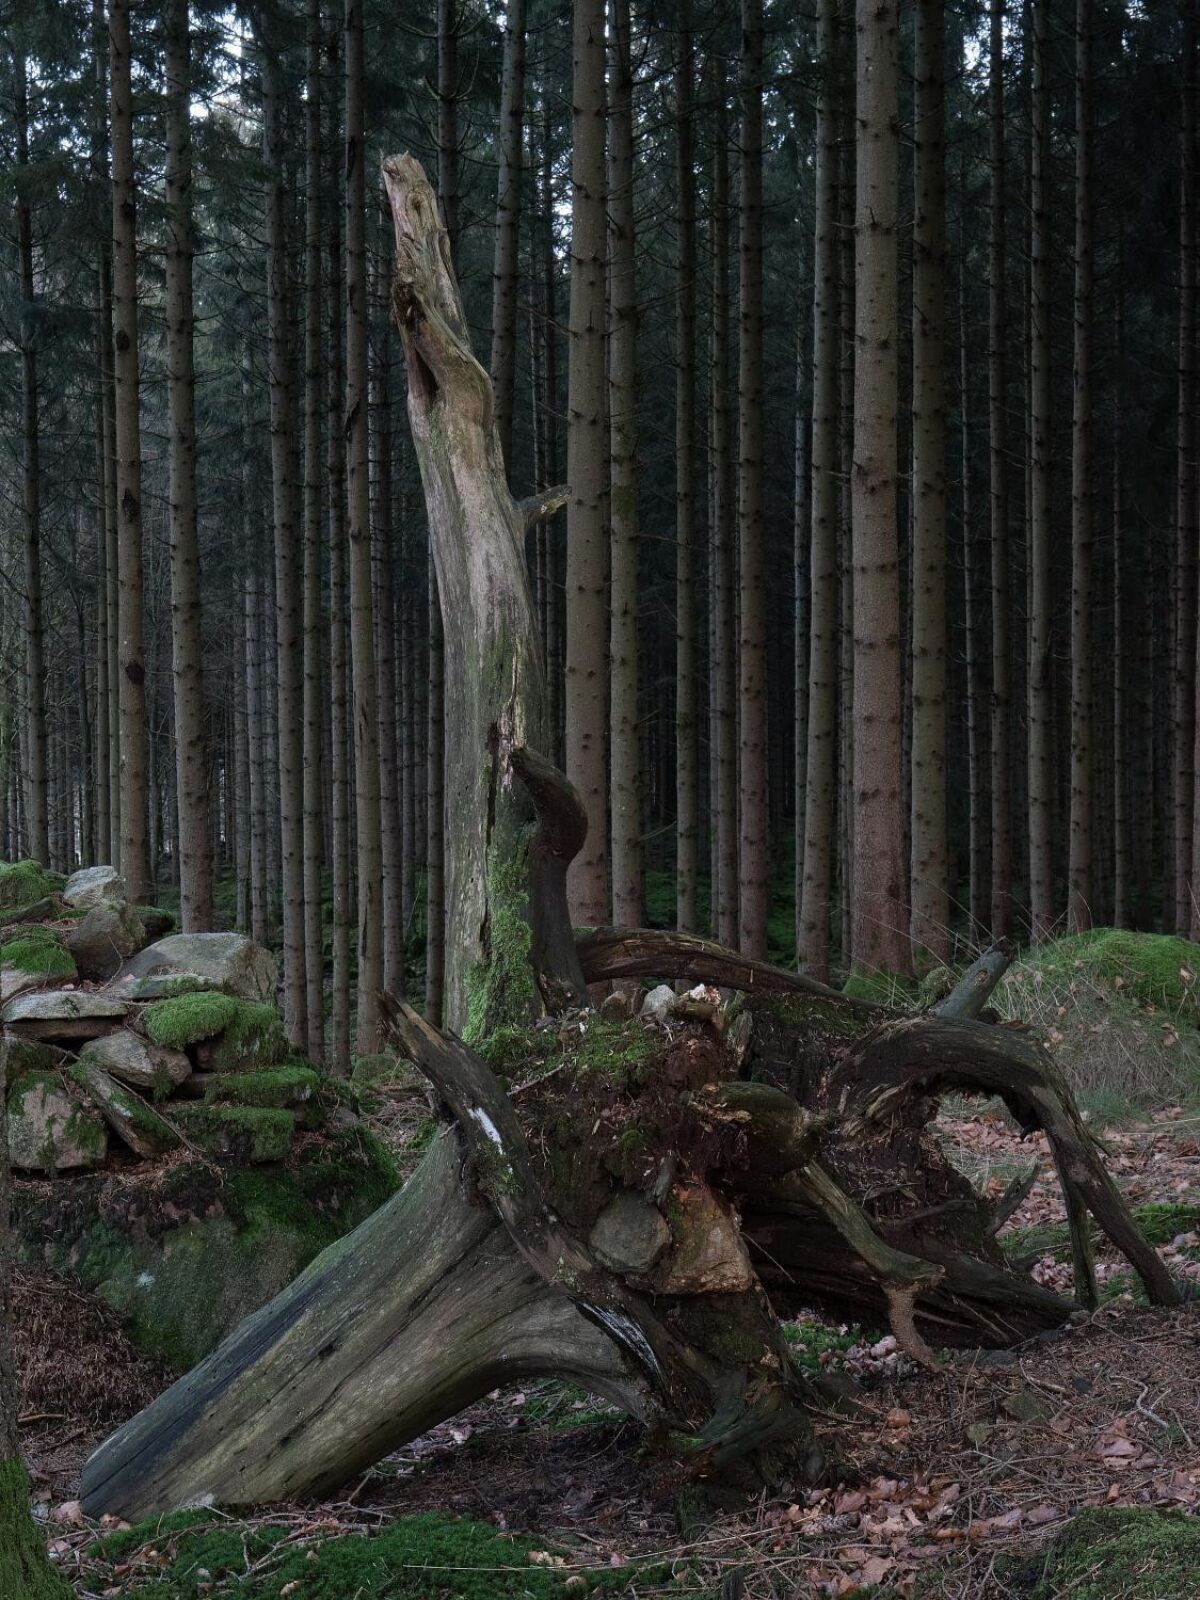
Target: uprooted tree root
(635,1207)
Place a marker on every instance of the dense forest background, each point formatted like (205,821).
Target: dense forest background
(966,710)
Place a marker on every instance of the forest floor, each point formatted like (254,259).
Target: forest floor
(952,1485)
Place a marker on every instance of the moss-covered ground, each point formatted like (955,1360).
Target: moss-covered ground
(412,1558)
(1114,1555)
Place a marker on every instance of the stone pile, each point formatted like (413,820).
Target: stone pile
(172,1151)
(151,1046)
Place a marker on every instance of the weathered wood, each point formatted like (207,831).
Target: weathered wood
(495,694)
(652,953)
(558,839)
(418,1313)
(977,984)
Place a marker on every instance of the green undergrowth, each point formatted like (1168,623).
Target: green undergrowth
(1160,1222)
(23,882)
(38,950)
(412,1558)
(1113,1555)
(1147,969)
(810,1341)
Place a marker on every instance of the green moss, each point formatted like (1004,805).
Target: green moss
(500,987)
(413,1558)
(248,1033)
(184,1254)
(188,1019)
(87,1133)
(22,882)
(811,1340)
(29,1055)
(238,1134)
(276,1086)
(23,1082)
(38,950)
(25,1570)
(1151,969)
(1114,1555)
(883,989)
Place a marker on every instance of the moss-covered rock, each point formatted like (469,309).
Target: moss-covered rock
(274,1086)
(109,932)
(22,882)
(134,1122)
(242,1135)
(184,1253)
(188,1018)
(1114,1555)
(239,1035)
(49,1129)
(38,950)
(1149,969)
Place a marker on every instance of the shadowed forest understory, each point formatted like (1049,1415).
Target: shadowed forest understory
(598,800)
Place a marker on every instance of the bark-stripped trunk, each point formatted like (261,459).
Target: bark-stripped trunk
(687,798)
(587,465)
(1079,908)
(820,807)
(194,854)
(880,915)
(508,224)
(495,686)
(1001,755)
(625,734)
(930,917)
(135,866)
(1040,669)
(753,818)
(368,857)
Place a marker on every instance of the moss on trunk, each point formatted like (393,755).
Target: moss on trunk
(25,1570)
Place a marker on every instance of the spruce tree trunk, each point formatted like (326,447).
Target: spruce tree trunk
(687,796)
(1079,906)
(624,730)
(820,806)
(753,817)
(506,273)
(1040,686)
(723,678)
(286,518)
(587,465)
(1181,897)
(191,756)
(35,645)
(313,825)
(368,845)
(880,914)
(978,837)
(135,866)
(1001,702)
(930,911)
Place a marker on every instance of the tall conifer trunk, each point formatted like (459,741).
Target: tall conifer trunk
(135,865)
(191,755)
(687,822)
(753,816)
(880,914)
(930,922)
(1001,753)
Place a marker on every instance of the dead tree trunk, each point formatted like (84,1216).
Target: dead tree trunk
(629,1205)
